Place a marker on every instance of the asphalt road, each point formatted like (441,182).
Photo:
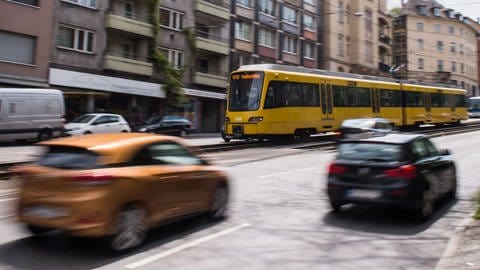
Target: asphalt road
(280,219)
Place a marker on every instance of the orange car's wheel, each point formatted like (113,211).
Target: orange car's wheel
(130,229)
(219,203)
(36,230)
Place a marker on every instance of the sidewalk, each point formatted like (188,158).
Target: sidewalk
(463,249)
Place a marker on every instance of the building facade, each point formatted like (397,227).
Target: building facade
(271,31)
(357,37)
(436,44)
(25,36)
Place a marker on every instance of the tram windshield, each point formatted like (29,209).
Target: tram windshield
(474,104)
(245,91)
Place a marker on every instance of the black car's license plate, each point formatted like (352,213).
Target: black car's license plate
(363,193)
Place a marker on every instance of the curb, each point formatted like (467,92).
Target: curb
(454,242)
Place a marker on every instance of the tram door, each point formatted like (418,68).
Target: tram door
(428,107)
(375,97)
(326,100)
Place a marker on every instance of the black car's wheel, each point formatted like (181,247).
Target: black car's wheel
(130,229)
(425,206)
(219,204)
(44,135)
(183,133)
(36,230)
(336,206)
(452,194)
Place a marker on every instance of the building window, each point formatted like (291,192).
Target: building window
(439,45)
(246,3)
(368,21)
(129,9)
(437,28)
(340,45)
(369,52)
(340,12)
(453,47)
(290,45)
(440,65)
(27,2)
(310,2)
(171,19)
(85,3)
(128,50)
(421,63)
(202,65)
(308,22)
(309,50)
(462,68)
(420,44)
(461,49)
(419,26)
(75,39)
(289,15)
(451,29)
(267,7)
(436,12)
(243,30)
(175,58)
(17,48)
(266,38)
(454,66)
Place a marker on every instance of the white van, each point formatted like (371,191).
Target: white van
(31,114)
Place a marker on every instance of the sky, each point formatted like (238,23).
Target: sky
(469,8)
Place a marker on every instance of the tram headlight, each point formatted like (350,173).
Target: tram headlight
(255,119)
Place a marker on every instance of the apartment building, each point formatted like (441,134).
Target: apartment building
(357,37)
(25,36)
(436,44)
(271,31)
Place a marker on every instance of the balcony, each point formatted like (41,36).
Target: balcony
(210,79)
(124,64)
(384,38)
(212,45)
(215,8)
(130,25)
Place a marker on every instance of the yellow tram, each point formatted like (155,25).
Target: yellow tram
(268,100)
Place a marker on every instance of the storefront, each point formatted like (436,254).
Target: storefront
(86,93)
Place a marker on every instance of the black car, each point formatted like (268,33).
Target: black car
(403,170)
(358,128)
(169,124)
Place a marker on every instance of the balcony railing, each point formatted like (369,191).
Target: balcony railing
(205,77)
(135,25)
(215,8)
(127,63)
(384,38)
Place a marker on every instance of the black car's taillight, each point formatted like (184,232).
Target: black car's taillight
(337,169)
(405,171)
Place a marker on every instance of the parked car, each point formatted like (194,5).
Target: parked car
(117,186)
(403,170)
(364,127)
(97,123)
(168,124)
(31,114)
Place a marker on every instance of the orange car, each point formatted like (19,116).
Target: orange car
(118,186)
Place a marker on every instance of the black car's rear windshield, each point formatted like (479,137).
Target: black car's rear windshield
(370,151)
(74,158)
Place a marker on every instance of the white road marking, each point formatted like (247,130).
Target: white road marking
(184,246)
(286,172)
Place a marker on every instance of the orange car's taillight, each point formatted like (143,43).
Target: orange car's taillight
(93,179)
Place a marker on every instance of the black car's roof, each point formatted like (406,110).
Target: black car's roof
(396,138)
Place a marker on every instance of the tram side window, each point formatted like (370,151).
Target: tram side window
(285,94)
(414,99)
(436,100)
(390,98)
(339,96)
(461,101)
(358,97)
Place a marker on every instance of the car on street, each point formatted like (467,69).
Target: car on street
(117,186)
(168,125)
(357,128)
(92,123)
(401,170)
